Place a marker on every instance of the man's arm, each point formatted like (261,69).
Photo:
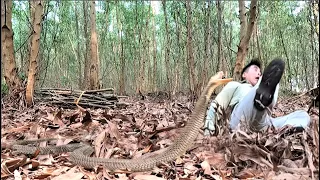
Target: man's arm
(223,100)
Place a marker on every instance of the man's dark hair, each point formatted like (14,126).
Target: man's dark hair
(254,61)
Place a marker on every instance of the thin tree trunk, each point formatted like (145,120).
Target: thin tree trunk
(177,62)
(207,41)
(312,45)
(315,4)
(288,60)
(7,52)
(94,65)
(154,78)
(141,65)
(222,64)
(137,48)
(167,50)
(245,34)
(221,59)
(258,45)
(142,61)
(257,34)
(86,74)
(37,12)
(148,43)
(123,72)
(231,67)
(305,62)
(190,58)
(120,54)
(80,85)
(135,63)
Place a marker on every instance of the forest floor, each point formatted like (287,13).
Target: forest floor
(152,124)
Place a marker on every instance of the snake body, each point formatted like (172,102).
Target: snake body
(80,153)
(30,150)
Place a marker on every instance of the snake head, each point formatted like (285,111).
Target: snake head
(217,80)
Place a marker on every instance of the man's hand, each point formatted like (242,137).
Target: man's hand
(209,127)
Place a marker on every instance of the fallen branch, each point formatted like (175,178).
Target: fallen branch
(100,98)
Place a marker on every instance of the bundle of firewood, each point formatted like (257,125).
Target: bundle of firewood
(67,98)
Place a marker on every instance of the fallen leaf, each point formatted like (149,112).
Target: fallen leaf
(52,171)
(87,119)
(99,141)
(114,130)
(249,173)
(58,118)
(76,125)
(189,168)
(216,160)
(147,177)
(206,167)
(8,166)
(91,175)
(70,175)
(17,129)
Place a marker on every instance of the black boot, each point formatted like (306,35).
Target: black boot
(270,78)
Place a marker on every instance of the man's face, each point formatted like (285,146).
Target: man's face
(252,74)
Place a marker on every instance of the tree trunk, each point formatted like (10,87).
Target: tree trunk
(136,65)
(120,53)
(154,78)
(80,85)
(288,60)
(222,65)
(37,12)
(177,61)
(313,58)
(230,51)
(315,5)
(86,73)
(221,59)
(7,53)
(190,58)
(207,41)
(245,34)
(142,59)
(94,65)
(304,59)
(148,44)
(258,45)
(167,50)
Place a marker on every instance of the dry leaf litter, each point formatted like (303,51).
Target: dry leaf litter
(148,126)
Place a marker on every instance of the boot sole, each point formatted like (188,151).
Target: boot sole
(270,78)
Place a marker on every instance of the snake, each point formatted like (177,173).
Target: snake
(80,152)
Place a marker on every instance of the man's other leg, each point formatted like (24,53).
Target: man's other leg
(298,118)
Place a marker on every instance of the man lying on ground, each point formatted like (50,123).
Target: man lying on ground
(253,99)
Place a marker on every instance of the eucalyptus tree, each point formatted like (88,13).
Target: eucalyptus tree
(7,53)
(245,35)
(36,18)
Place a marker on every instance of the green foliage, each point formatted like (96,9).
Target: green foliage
(22,76)
(4,89)
(130,22)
